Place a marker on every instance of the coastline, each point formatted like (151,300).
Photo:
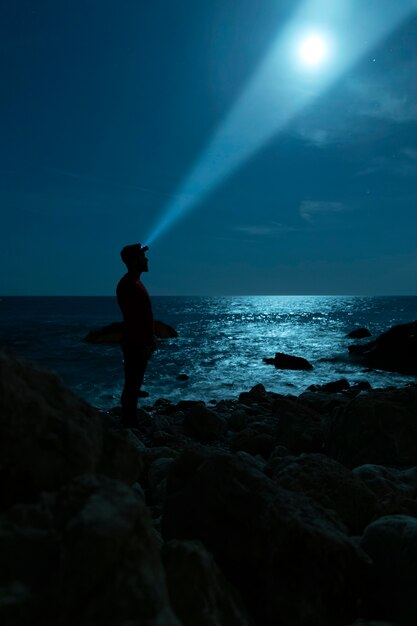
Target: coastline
(266,509)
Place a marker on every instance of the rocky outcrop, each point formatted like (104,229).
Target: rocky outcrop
(247,512)
(341,385)
(49,436)
(86,554)
(394,350)
(378,428)
(299,428)
(199,592)
(112,333)
(288,362)
(203,423)
(330,484)
(395,488)
(260,534)
(391,542)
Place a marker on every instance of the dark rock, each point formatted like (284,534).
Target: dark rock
(363,622)
(258,392)
(330,484)
(253,442)
(299,428)
(287,362)
(157,479)
(359,333)
(199,592)
(288,557)
(394,350)
(164,331)
(183,377)
(336,386)
(379,427)
(237,420)
(391,542)
(112,333)
(323,403)
(48,435)
(361,385)
(204,424)
(257,395)
(86,555)
(395,489)
(185,405)
(162,403)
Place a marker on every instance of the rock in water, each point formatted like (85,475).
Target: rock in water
(287,362)
(394,350)
(359,333)
(112,333)
(164,331)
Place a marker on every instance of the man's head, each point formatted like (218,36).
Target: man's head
(134,257)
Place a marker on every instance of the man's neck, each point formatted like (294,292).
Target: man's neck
(136,274)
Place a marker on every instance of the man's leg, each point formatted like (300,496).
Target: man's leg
(135,361)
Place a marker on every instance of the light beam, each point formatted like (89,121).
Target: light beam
(280,90)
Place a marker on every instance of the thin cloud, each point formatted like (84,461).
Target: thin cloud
(390,95)
(319,137)
(264,229)
(403,163)
(387,94)
(309,210)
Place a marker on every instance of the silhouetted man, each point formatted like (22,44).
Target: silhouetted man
(138,341)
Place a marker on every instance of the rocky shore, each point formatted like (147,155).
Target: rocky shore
(265,510)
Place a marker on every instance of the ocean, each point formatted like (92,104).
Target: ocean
(221,342)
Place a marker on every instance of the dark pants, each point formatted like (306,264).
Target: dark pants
(135,361)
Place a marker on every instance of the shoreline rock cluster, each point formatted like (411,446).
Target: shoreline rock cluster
(263,510)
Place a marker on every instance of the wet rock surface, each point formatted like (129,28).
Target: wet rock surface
(262,510)
(288,362)
(395,350)
(359,333)
(112,333)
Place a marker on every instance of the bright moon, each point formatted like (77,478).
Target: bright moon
(313,50)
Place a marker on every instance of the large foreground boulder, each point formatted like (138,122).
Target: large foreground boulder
(85,555)
(395,350)
(379,427)
(203,423)
(198,590)
(299,428)
(391,542)
(395,488)
(48,435)
(330,484)
(289,558)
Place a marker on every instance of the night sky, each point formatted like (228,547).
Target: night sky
(107,106)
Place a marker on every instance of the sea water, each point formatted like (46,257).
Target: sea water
(221,342)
